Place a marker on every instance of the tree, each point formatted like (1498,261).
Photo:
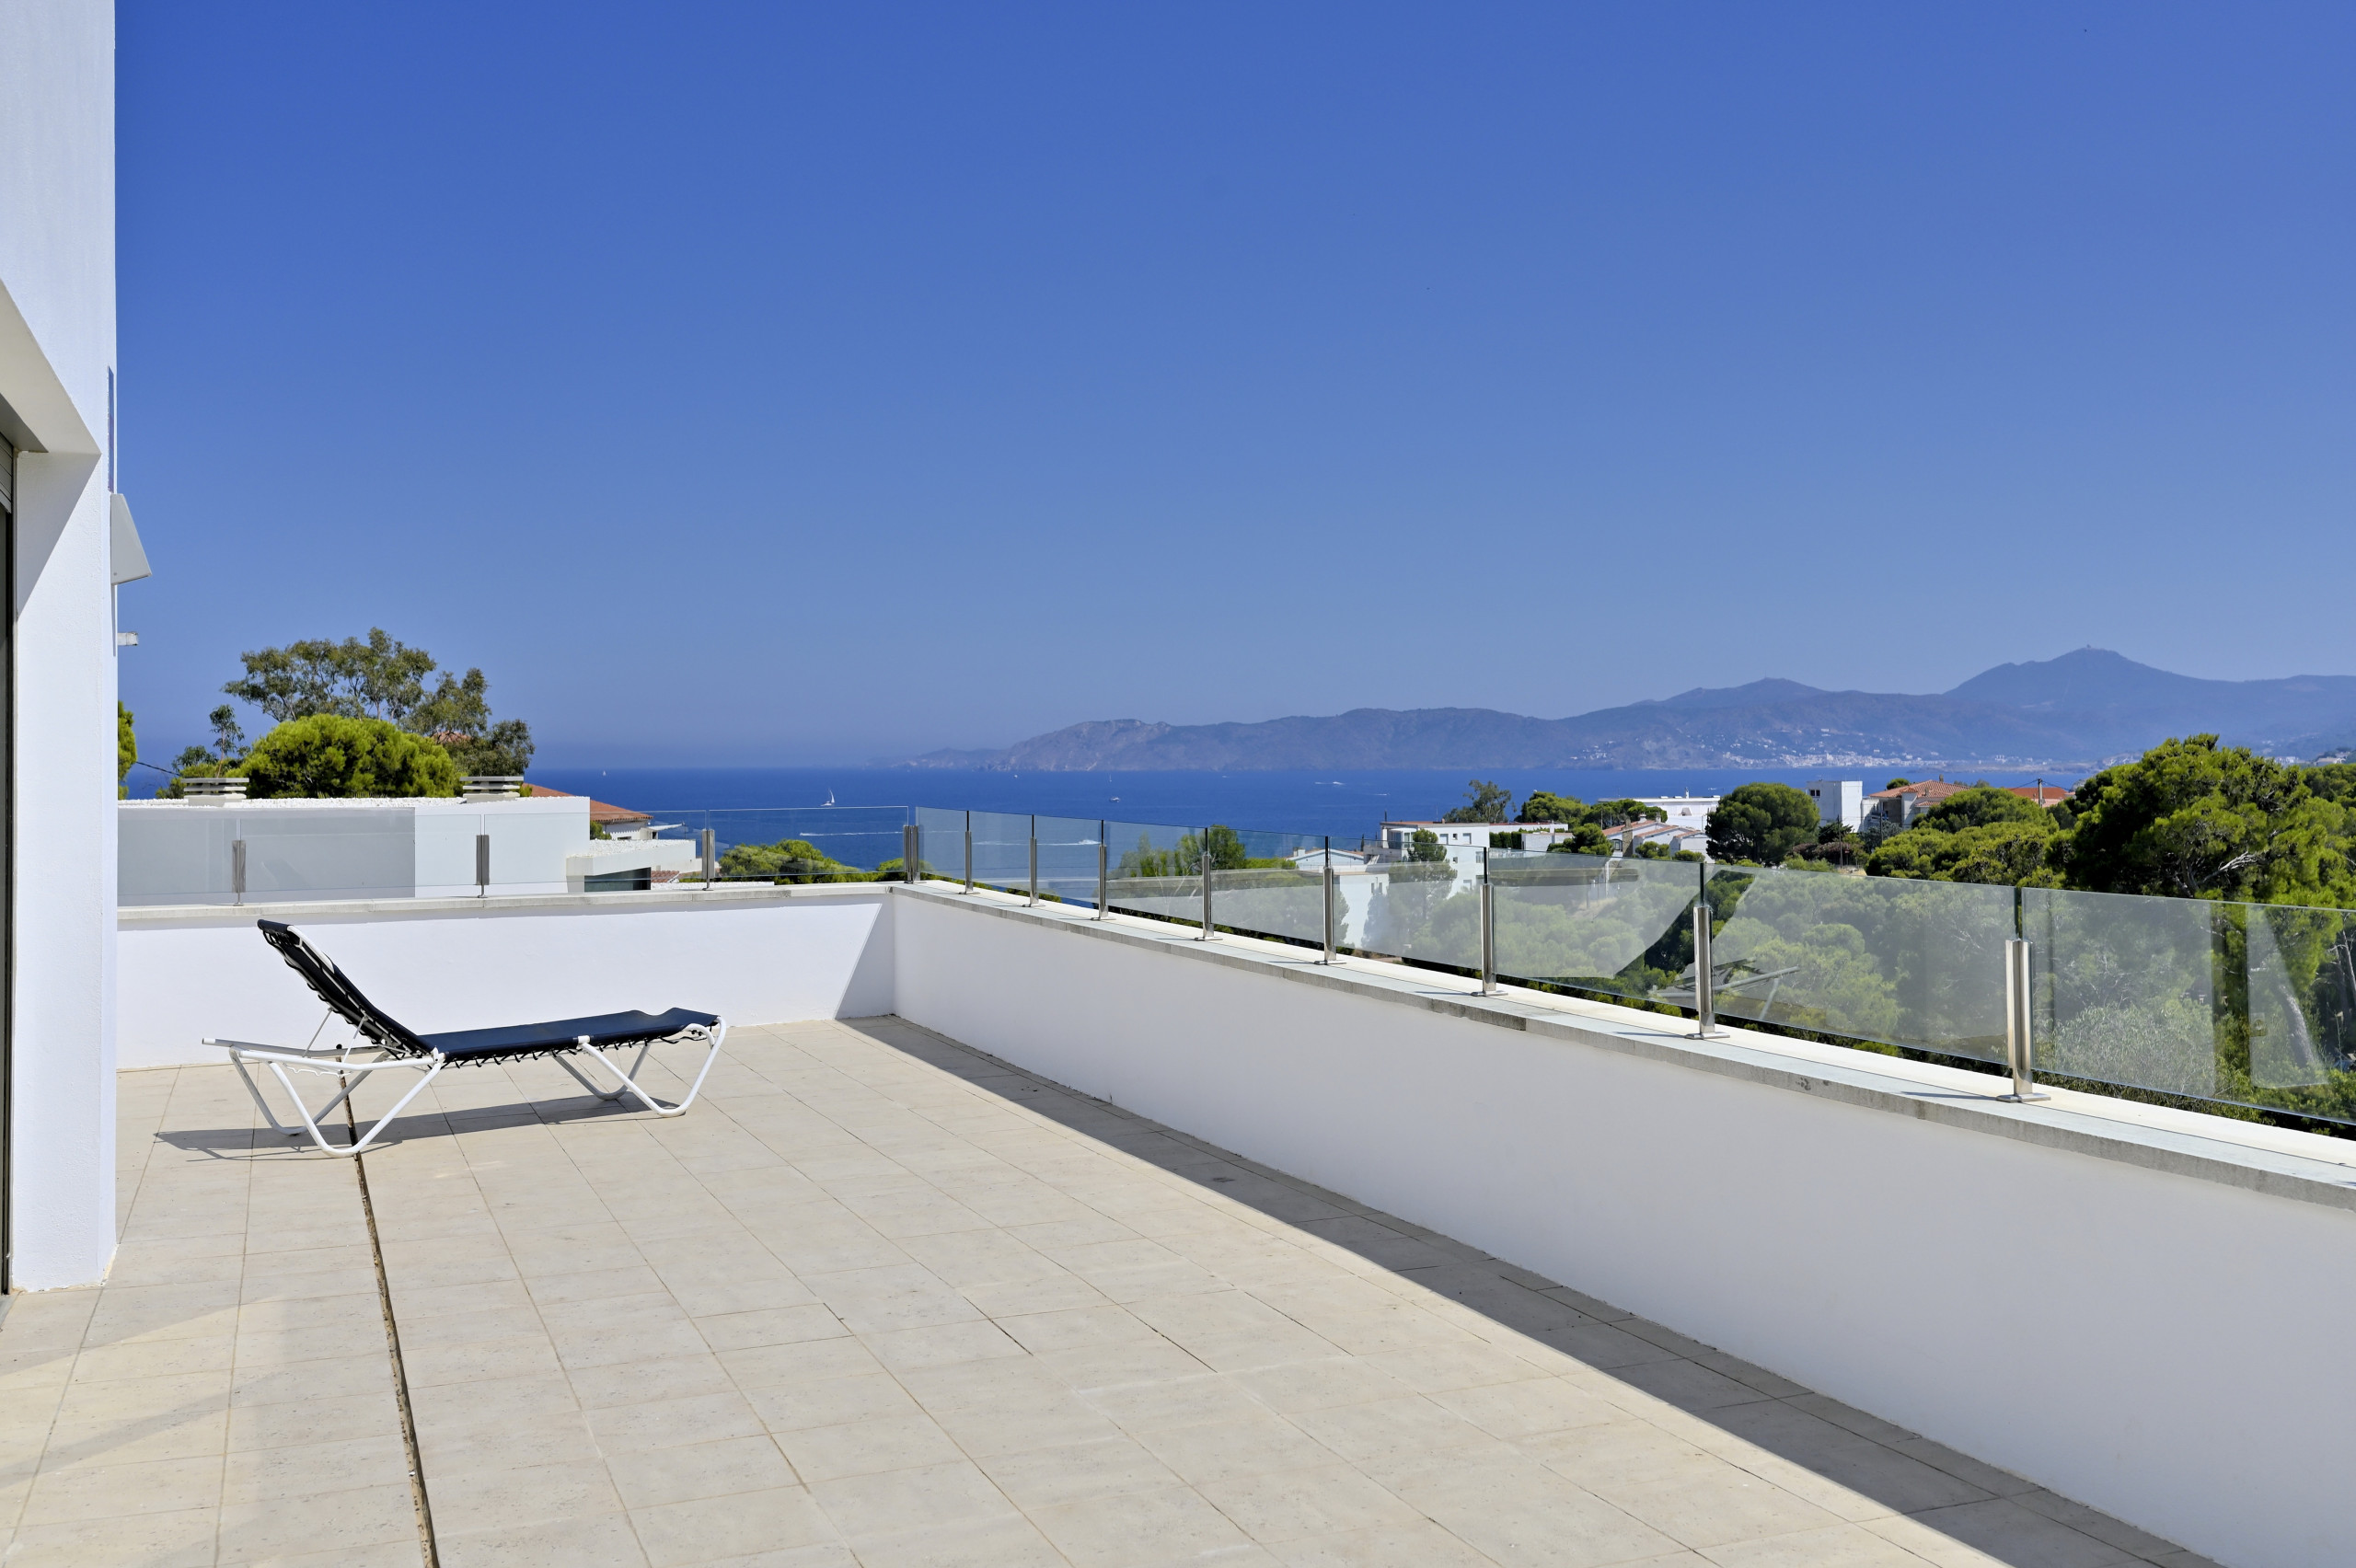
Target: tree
(457,713)
(1544,805)
(2191,819)
(1483,801)
(1613,814)
(2016,853)
(126,747)
(797,859)
(1979,806)
(1761,822)
(380,678)
(1425,849)
(377,679)
(327,755)
(227,735)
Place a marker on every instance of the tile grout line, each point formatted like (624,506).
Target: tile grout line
(424,1507)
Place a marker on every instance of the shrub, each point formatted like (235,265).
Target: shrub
(327,757)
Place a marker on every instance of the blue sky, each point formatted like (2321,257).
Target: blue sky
(805,385)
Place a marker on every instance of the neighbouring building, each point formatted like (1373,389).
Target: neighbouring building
(1896,809)
(1671,836)
(1839,800)
(1474,835)
(1683,811)
(2046,795)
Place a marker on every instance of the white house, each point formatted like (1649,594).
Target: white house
(60,502)
(1683,811)
(1839,800)
(1474,835)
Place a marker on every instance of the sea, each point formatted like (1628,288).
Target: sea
(1343,803)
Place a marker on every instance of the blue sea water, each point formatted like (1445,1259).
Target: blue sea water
(1343,803)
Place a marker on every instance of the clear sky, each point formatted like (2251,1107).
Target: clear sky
(800,383)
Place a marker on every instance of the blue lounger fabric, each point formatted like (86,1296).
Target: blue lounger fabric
(605,1028)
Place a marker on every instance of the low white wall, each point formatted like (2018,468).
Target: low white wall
(185,976)
(2156,1344)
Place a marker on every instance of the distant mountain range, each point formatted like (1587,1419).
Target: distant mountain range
(2068,713)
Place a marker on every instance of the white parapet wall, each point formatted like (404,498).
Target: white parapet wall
(181,852)
(2136,1308)
(753,955)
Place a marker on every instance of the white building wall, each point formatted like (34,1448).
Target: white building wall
(765,957)
(1839,800)
(57,347)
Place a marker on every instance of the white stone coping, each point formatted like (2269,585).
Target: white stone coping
(2309,1167)
(497,903)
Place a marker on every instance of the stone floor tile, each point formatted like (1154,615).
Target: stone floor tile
(264,1475)
(1137,1529)
(1010,1542)
(1101,1467)
(330,1522)
(1420,1545)
(604,1540)
(183,1538)
(676,1534)
(1276,1506)
(1999,1528)
(775,1325)
(1222,1450)
(673,1424)
(895,1502)
(864,1447)
(1837,1546)
(75,1493)
(831,1401)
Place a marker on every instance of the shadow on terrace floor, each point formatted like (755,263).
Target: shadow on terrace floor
(2011,1521)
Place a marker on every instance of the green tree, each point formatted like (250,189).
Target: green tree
(794,859)
(2191,819)
(327,755)
(457,713)
(1761,822)
(1613,814)
(1483,801)
(1979,806)
(380,678)
(1544,805)
(1425,849)
(228,736)
(2015,854)
(126,747)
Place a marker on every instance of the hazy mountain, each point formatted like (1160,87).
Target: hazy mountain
(2064,713)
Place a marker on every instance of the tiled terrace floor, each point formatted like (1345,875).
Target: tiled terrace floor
(881,1300)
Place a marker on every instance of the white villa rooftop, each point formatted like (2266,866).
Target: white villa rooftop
(880,1300)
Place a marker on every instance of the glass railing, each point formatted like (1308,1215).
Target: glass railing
(310,852)
(2248,1005)
(789,845)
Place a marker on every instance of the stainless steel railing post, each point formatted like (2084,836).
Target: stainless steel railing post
(1705,1000)
(236,871)
(1103,874)
(1206,900)
(482,865)
(1035,859)
(1333,924)
(1488,936)
(709,843)
(969,851)
(2020,1043)
(911,845)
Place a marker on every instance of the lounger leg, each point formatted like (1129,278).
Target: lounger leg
(237,1060)
(581,1044)
(629,1083)
(311,1122)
